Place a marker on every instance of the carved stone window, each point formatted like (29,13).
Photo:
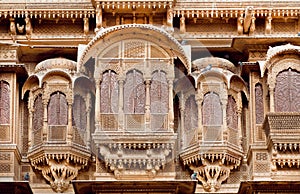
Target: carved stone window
(58,109)
(191,114)
(259,104)
(109,92)
(4,103)
(79,113)
(134,93)
(231,111)
(212,110)
(287,91)
(159,93)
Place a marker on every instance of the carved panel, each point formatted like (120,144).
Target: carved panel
(4,102)
(159,122)
(287,91)
(38,114)
(57,133)
(134,122)
(286,27)
(109,93)
(231,111)
(159,93)
(211,110)
(79,113)
(191,114)
(58,110)
(4,132)
(134,93)
(259,104)
(135,49)
(109,122)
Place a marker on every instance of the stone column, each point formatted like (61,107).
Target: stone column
(88,120)
(147,105)
(121,105)
(181,108)
(239,126)
(171,112)
(272,103)
(45,120)
(98,17)
(225,130)
(69,127)
(30,136)
(97,104)
(199,100)
(182,24)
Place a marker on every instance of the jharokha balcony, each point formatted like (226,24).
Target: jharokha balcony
(282,131)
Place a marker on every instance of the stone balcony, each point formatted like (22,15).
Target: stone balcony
(58,155)
(283,132)
(134,147)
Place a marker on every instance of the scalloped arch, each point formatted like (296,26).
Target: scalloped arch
(150,33)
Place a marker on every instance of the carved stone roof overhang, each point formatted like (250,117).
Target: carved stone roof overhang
(283,128)
(226,152)
(157,186)
(249,187)
(149,33)
(48,13)
(234,9)
(134,5)
(16,187)
(202,63)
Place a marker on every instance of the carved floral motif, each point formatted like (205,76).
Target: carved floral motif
(4,103)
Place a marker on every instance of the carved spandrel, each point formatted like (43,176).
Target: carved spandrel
(212,110)
(259,104)
(159,93)
(287,91)
(109,93)
(134,93)
(231,111)
(58,110)
(4,103)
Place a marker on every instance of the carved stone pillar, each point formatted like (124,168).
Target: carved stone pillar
(239,115)
(88,119)
(30,128)
(170,17)
(252,25)
(181,108)
(121,104)
(268,25)
(86,26)
(272,103)
(171,111)
(199,100)
(98,17)
(69,129)
(147,104)
(182,24)
(224,120)
(240,27)
(45,123)
(97,104)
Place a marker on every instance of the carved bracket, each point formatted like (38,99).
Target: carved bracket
(144,159)
(212,173)
(59,169)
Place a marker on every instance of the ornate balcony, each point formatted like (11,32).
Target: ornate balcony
(136,151)
(283,131)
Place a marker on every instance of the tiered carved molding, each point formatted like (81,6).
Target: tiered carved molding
(127,160)
(135,156)
(282,130)
(59,169)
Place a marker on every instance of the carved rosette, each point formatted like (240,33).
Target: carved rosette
(59,169)
(212,169)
